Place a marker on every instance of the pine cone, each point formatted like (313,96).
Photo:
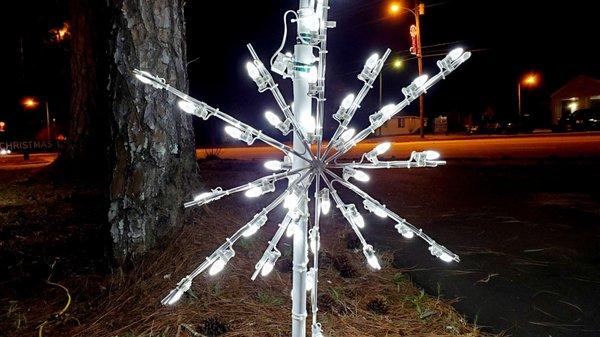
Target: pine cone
(378,305)
(214,327)
(344,266)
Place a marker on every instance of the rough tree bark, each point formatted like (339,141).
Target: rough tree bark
(153,148)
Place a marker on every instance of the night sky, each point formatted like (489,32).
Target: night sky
(508,39)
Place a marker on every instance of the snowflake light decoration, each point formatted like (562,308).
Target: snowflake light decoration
(303,167)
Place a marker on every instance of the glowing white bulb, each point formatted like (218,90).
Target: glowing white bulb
(348,134)
(405,231)
(272,118)
(388,110)
(291,229)
(372,61)
(143,78)
(419,81)
(361,176)
(382,148)
(380,212)
(314,243)
(290,201)
(187,106)
(312,75)
(325,206)
(445,257)
(273,165)
(347,102)
(252,70)
(308,123)
(310,279)
(233,132)
(311,22)
(359,221)
(251,230)
(371,257)
(267,268)
(455,53)
(202,196)
(175,297)
(432,155)
(254,192)
(217,266)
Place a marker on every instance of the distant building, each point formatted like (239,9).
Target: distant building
(580,93)
(399,125)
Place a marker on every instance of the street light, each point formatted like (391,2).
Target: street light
(32,103)
(395,8)
(396,64)
(530,80)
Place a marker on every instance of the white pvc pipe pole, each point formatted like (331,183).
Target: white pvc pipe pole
(302,108)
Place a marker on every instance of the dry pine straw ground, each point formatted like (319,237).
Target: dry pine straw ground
(127,303)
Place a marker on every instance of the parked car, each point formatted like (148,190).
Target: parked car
(580,120)
(504,126)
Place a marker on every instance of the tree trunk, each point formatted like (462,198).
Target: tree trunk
(85,151)
(153,147)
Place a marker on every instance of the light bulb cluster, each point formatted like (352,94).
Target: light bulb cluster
(317,166)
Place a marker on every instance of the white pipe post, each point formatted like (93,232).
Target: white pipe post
(302,109)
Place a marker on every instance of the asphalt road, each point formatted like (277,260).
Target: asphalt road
(527,146)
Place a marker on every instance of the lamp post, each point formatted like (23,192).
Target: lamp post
(31,103)
(419,10)
(530,80)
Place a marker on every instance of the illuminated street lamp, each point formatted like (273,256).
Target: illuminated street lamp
(396,64)
(395,8)
(32,103)
(530,80)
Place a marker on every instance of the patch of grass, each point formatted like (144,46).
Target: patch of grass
(267,298)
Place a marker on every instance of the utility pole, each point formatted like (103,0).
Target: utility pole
(420,10)
(48,120)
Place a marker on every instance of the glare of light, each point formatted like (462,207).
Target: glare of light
(394,8)
(233,132)
(252,70)
(186,106)
(290,201)
(272,118)
(432,155)
(530,79)
(273,165)
(202,196)
(388,110)
(371,257)
(380,212)
(405,231)
(216,267)
(310,279)
(175,297)
(314,241)
(292,228)
(347,102)
(419,81)
(143,77)
(267,268)
(446,258)
(251,230)
(397,64)
(455,53)
(372,61)
(382,148)
(325,206)
(361,176)
(573,106)
(312,75)
(311,22)
(359,221)
(30,102)
(308,123)
(348,134)
(254,192)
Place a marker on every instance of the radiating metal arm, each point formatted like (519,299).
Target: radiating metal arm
(205,111)
(394,216)
(285,108)
(218,193)
(411,93)
(356,102)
